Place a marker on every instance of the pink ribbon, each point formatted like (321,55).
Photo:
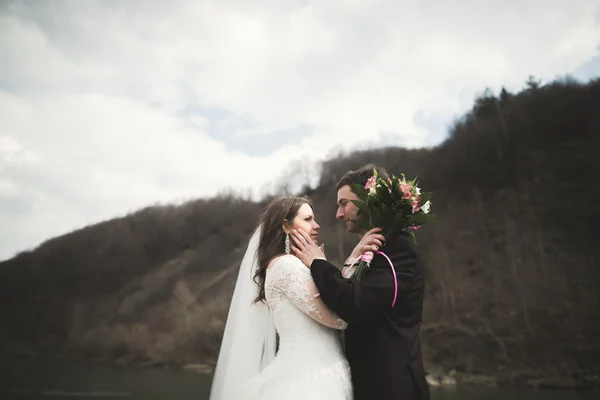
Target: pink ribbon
(367,257)
(395,279)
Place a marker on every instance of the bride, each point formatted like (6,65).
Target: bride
(275,292)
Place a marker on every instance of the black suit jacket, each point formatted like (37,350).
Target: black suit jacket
(382,342)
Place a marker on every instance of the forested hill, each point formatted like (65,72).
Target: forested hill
(513,277)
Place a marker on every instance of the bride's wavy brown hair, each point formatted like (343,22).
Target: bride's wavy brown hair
(272,237)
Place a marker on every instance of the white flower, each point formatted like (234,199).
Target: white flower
(372,191)
(425,207)
(417,191)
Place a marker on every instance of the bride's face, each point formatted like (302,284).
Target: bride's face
(305,220)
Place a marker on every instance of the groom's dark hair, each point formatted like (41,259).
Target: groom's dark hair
(361,176)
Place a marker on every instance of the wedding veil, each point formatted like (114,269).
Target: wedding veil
(249,339)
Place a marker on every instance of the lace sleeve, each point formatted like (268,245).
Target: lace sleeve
(296,283)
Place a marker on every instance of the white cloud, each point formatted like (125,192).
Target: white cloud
(8,148)
(108,106)
(8,188)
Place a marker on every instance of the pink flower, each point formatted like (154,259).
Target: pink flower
(414,227)
(406,190)
(415,206)
(370,183)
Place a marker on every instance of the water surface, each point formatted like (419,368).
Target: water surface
(35,378)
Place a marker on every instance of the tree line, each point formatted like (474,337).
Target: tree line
(511,265)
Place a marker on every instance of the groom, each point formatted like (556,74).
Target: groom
(382,342)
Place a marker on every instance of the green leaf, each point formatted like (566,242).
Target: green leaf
(360,190)
(360,204)
(398,204)
(362,224)
(420,218)
(396,187)
(376,217)
(425,196)
(412,235)
(383,191)
(397,220)
(381,185)
(431,217)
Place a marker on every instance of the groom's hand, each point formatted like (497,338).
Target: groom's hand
(305,249)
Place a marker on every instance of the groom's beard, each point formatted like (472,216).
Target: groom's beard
(351,227)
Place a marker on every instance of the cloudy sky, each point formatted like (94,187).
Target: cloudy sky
(108,106)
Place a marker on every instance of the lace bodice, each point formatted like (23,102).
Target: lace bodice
(300,315)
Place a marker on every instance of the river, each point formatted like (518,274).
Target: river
(35,378)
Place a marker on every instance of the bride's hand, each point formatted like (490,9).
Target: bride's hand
(371,241)
(305,248)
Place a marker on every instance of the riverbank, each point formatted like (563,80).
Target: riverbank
(30,377)
(37,378)
(523,378)
(437,376)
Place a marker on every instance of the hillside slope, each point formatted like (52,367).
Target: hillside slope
(512,265)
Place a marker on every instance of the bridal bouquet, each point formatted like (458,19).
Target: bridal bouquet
(396,205)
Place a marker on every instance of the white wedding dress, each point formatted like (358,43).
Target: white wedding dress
(310,363)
